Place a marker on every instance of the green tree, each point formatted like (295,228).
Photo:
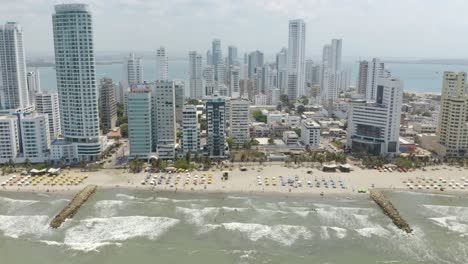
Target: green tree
(27,164)
(193,101)
(271,141)
(188,156)
(300,109)
(124,130)
(259,116)
(230,142)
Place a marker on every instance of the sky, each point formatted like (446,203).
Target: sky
(369,28)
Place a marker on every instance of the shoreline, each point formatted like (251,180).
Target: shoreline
(262,180)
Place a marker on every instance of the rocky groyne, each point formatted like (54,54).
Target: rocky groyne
(72,208)
(390,210)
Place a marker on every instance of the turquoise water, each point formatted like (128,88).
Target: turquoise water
(123,226)
(416,77)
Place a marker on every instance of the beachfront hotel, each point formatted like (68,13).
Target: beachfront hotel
(452,130)
(190,130)
(107,105)
(216,121)
(164,119)
(76,80)
(374,128)
(310,133)
(139,122)
(48,103)
(239,121)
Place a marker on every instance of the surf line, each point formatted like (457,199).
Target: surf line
(390,210)
(72,208)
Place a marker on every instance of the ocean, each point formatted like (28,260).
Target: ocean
(416,77)
(128,226)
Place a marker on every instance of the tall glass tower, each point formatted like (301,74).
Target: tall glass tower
(76,78)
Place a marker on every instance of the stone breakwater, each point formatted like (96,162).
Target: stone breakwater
(390,210)
(72,208)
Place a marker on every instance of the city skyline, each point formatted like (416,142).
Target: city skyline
(231,22)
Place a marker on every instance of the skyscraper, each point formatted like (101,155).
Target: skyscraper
(296,58)
(452,130)
(370,74)
(76,79)
(216,55)
(107,105)
(195,75)
(179,91)
(139,122)
(234,81)
(239,121)
(190,131)
(255,60)
(333,80)
(13,83)
(164,119)
(162,64)
(48,103)
(216,122)
(133,70)
(232,55)
(34,85)
(374,128)
(282,70)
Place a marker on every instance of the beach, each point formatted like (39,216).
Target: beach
(247,182)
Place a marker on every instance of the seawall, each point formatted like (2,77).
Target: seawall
(72,208)
(390,210)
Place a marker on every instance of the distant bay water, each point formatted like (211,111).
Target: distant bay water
(425,78)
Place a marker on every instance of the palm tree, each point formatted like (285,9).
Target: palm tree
(27,164)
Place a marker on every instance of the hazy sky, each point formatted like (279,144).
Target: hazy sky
(384,28)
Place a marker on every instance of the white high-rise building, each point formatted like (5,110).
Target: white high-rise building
(76,79)
(216,56)
(234,82)
(164,119)
(34,85)
(209,80)
(296,58)
(282,70)
(332,78)
(190,130)
(239,121)
(48,103)
(9,139)
(370,74)
(310,133)
(374,128)
(133,70)
(216,122)
(13,84)
(35,137)
(452,130)
(232,56)
(162,64)
(195,75)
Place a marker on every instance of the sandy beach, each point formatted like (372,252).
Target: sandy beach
(247,181)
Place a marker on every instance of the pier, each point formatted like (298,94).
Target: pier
(390,210)
(72,208)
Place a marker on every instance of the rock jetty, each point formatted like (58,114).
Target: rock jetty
(72,208)
(390,210)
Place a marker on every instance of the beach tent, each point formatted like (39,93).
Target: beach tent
(53,171)
(345,167)
(329,168)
